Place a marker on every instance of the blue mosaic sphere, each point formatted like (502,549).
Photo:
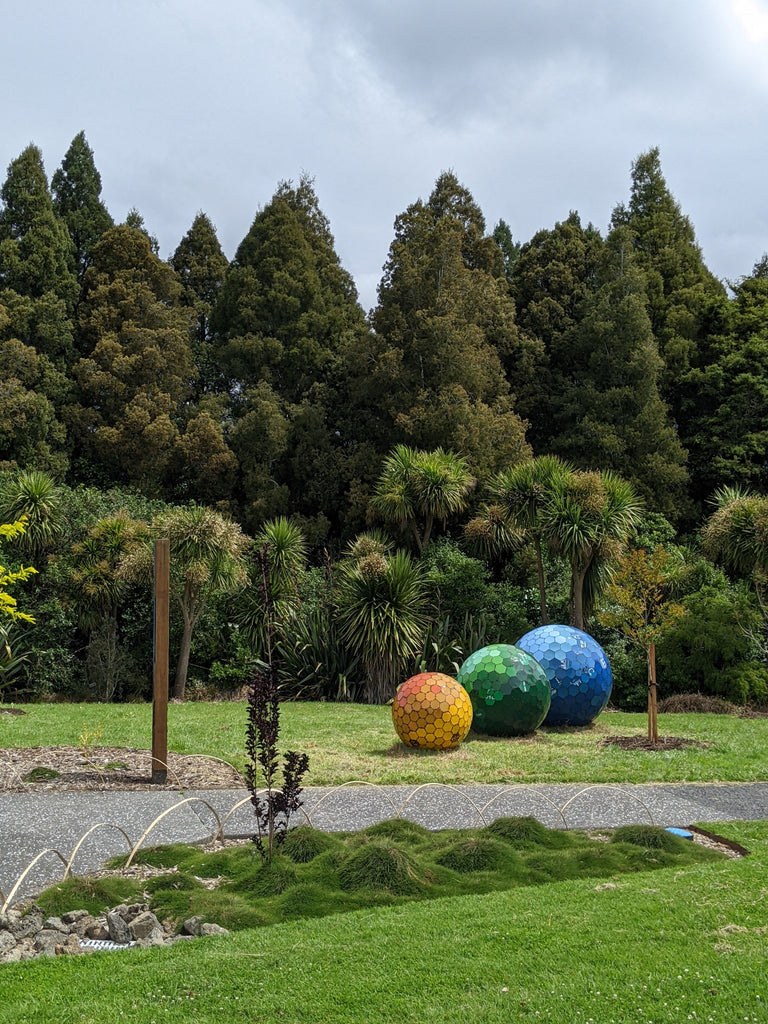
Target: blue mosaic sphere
(577,669)
(509,690)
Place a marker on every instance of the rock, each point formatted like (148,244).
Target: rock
(156,937)
(212,929)
(72,945)
(28,925)
(24,937)
(47,939)
(56,924)
(118,927)
(134,910)
(142,925)
(81,925)
(74,916)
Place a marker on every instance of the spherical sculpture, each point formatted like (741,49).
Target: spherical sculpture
(508,688)
(577,669)
(432,711)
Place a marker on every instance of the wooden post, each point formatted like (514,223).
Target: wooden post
(653,718)
(160,665)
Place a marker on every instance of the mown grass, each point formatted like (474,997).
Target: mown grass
(357,742)
(675,945)
(318,874)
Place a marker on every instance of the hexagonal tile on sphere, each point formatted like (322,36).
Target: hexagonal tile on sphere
(577,669)
(433,711)
(508,688)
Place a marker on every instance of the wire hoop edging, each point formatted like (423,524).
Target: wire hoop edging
(615,789)
(101,824)
(442,785)
(355,782)
(246,800)
(159,818)
(24,874)
(517,789)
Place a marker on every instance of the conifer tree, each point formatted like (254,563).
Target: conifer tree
(552,277)
(136,367)
(283,322)
(609,415)
(679,283)
(36,254)
(444,321)
(201,265)
(76,188)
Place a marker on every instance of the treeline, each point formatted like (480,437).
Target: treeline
(260,389)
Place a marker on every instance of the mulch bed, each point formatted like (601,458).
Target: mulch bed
(643,743)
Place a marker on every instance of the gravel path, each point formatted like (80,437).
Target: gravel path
(32,823)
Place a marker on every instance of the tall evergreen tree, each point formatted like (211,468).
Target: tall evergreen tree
(285,314)
(444,321)
(553,276)
(723,400)
(36,253)
(76,188)
(679,283)
(136,367)
(201,265)
(609,414)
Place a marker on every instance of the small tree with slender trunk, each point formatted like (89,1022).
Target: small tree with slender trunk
(639,608)
(207,553)
(522,492)
(418,488)
(587,521)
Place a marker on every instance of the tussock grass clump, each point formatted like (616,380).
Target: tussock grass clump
(399,830)
(649,837)
(269,878)
(380,865)
(478,853)
(94,895)
(172,895)
(520,832)
(303,843)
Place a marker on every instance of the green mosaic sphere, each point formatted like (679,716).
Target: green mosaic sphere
(509,690)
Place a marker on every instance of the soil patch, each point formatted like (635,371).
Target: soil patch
(643,743)
(58,769)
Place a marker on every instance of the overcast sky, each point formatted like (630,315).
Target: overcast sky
(539,106)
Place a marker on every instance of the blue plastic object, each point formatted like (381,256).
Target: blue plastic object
(578,671)
(682,832)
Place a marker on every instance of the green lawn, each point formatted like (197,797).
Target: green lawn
(671,946)
(351,741)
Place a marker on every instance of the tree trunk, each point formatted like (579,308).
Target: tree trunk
(653,724)
(542,584)
(577,599)
(182,665)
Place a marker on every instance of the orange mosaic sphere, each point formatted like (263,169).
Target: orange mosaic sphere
(432,711)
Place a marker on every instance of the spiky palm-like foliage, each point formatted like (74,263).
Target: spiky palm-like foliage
(520,494)
(207,557)
(737,536)
(382,614)
(587,521)
(416,488)
(34,495)
(281,555)
(96,585)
